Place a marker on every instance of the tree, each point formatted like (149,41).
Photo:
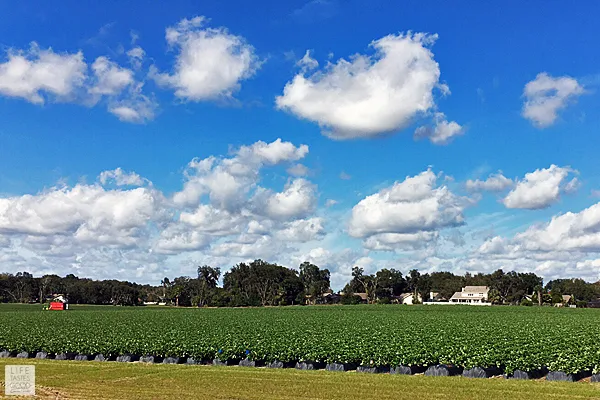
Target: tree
(367,283)
(390,282)
(208,278)
(315,281)
(494,296)
(413,280)
(446,283)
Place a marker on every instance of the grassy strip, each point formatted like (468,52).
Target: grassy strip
(94,380)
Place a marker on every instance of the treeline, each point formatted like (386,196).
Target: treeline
(260,283)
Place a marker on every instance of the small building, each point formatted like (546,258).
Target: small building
(567,300)
(407,298)
(363,297)
(331,298)
(471,295)
(436,297)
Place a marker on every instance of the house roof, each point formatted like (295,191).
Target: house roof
(464,295)
(404,296)
(361,295)
(477,289)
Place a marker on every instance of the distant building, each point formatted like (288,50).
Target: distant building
(471,295)
(363,297)
(436,297)
(407,298)
(566,300)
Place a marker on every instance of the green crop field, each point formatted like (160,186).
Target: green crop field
(511,338)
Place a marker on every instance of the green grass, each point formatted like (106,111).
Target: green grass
(93,380)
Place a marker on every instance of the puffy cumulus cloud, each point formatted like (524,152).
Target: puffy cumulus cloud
(539,189)
(90,229)
(110,78)
(273,153)
(227,181)
(545,96)
(177,239)
(121,178)
(566,232)
(413,206)
(297,200)
(494,183)
(35,73)
(210,220)
(369,95)
(250,247)
(83,211)
(39,75)
(302,230)
(113,229)
(442,131)
(211,62)
(566,246)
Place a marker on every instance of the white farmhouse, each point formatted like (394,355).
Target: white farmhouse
(471,295)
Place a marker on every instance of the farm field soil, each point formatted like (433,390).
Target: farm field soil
(91,380)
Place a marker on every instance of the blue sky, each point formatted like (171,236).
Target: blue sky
(398,115)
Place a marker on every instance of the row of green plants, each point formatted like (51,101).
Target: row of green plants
(510,338)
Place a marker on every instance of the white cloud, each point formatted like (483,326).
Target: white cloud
(137,233)
(330,203)
(494,183)
(175,239)
(572,186)
(210,63)
(442,131)
(545,96)
(413,206)
(298,170)
(399,241)
(136,107)
(307,62)
(539,189)
(344,176)
(110,78)
(215,221)
(121,178)
(369,95)
(87,213)
(566,246)
(569,232)
(40,75)
(136,56)
(227,181)
(297,200)
(302,230)
(34,74)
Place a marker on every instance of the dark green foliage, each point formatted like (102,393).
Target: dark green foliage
(524,338)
